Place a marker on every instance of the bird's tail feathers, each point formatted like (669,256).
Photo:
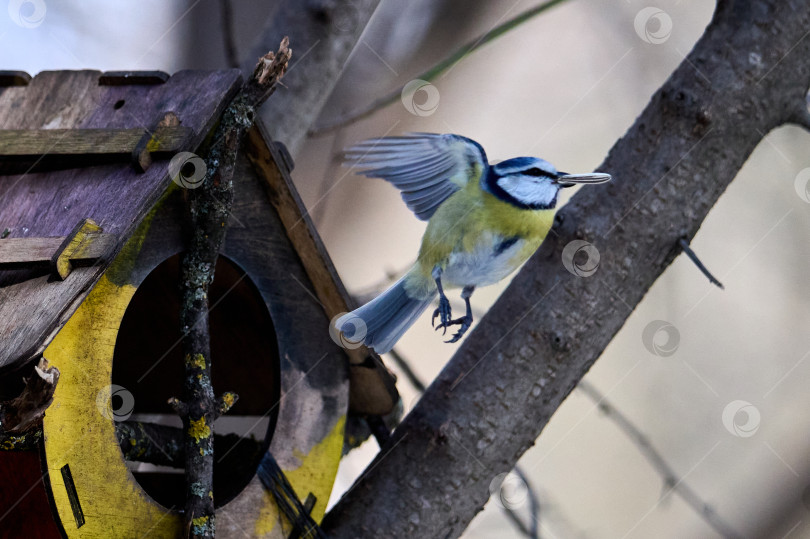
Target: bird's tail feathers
(382,321)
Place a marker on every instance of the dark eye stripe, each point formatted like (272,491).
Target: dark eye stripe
(534,172)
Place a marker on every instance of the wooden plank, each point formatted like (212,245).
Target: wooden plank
(18,253)
(22,143)
(373,389)
(125,78)
(80,246)
(24,252)
(150,141)
(32,306)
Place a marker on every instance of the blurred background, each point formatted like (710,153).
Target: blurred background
(715,381)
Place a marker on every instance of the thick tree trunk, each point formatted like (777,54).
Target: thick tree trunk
(748,74)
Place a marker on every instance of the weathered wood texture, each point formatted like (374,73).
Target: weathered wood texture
(32,307)
(18,253)
(22,143)
(373,389)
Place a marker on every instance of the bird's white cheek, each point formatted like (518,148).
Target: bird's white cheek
(529,191)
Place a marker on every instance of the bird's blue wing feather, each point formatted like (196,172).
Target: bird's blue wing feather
(426,167)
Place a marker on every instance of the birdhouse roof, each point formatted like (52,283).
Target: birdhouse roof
(102,124)
(84,158)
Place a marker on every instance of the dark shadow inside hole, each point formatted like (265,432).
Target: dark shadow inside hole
(244,356)
(119,104)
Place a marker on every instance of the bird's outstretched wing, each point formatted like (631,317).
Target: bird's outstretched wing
(426,167)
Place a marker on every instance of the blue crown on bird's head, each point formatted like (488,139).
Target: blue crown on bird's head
(522,165)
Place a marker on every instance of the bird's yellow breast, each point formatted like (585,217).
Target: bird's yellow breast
(472,220)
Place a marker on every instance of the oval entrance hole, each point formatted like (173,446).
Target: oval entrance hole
(148,362)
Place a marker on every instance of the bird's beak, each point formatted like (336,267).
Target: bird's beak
(570,180)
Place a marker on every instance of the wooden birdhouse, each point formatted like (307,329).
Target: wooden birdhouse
(94,168)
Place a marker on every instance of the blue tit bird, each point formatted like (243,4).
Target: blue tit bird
(484,221)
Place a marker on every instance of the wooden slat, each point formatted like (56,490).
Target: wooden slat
(22,143)
(23,252)
(125,78)
(373,390)
(33,306)
(18,253)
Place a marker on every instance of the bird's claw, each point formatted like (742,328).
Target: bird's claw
(443,312)
(465,322)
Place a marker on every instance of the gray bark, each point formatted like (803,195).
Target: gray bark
(323,33)
(748,74)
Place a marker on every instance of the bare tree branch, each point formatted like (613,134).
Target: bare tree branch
(531,349)
(671,479)
(209,207)
(445,64)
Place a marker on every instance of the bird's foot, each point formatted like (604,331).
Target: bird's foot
(443,312)
(465,322)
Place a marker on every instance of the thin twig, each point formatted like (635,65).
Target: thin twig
(228,40)
(406,369)
(209,207)
(671,479)
(163,445)
(533,530)
(694,258)
(436,70)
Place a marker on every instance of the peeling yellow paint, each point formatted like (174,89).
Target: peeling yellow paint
(316,474)
(79,435)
